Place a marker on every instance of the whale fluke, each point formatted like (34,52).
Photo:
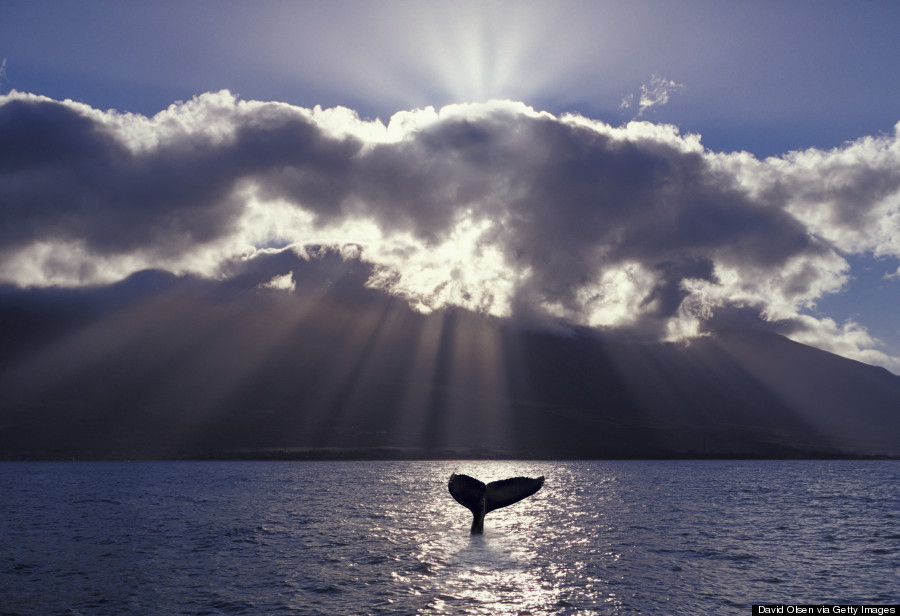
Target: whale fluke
(481,499)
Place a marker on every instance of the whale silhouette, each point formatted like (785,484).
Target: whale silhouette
(481,499)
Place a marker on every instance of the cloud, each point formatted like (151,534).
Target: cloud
(493,207)
(283,282)
(849,196)
(654,94)
(850,340)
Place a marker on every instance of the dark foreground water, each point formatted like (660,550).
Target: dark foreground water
(386,538)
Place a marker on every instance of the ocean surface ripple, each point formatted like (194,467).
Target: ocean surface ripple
(661,537)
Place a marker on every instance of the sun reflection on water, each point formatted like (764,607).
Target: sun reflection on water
(551,553)
(487,574)
(493,573)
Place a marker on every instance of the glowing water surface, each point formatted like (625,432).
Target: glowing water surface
(386,538)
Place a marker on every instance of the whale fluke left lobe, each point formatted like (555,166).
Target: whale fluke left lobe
(467,491)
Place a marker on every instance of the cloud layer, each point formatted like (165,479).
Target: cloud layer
(493,207)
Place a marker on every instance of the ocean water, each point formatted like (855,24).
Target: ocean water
(661,537)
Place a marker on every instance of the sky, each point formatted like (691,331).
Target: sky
(656,169)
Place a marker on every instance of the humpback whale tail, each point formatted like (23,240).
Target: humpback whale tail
(481,499)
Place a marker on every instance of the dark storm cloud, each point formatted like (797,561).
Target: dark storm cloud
(68,176)
(592,201)
(65,177)
(636,225)
(568,202)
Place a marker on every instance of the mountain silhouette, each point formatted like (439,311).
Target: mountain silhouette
(165,367)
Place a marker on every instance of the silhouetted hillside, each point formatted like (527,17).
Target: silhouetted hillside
(164,367)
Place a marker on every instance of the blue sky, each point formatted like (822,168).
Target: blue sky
(765,78)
